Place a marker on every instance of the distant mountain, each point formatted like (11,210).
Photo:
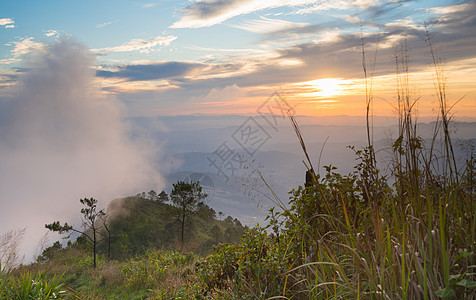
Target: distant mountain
(192,142)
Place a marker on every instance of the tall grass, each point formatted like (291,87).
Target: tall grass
(406,234)
(412,239)
(28,286)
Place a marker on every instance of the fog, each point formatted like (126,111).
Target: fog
(62,140)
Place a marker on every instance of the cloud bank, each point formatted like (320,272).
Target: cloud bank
(60,141)
(149,72)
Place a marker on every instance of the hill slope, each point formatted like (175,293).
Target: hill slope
(138,224)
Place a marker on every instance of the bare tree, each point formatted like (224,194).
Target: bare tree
(42,245)
(9,252)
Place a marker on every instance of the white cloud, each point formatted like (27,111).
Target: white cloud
(392,41)
(25,46)
(138,45)
(352,19)
(204,13)
(408,22)
(51,33)
(290,62)
(449,14)
(7,23)
(266,25)
(227,94)
(448,9)
(103,24)
(338,5)
(8,61)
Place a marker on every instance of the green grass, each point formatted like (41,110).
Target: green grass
(29,286)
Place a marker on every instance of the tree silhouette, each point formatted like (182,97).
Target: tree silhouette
(89,217)
(186,197)
(163,197)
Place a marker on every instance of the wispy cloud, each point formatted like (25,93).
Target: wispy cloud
(7,23)
(51,33)
(144,46)
(25,46)
(103,24)
(206,13)
(338,5)
(149,5)
(447,17)
(231,50)
(449,9)
(8,61)
(267,25)
(8,76)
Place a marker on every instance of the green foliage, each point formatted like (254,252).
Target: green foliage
(148,270)
(49,252)
(254,269)
(163,197)
(150,224)
(56,226)
(186,197)
(29,286)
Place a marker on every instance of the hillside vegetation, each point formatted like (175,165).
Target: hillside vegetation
(144,256)
(146,224)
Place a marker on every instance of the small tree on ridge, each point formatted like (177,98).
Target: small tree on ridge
(186,197)
(89,218)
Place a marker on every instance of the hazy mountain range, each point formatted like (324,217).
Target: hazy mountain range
(190,144)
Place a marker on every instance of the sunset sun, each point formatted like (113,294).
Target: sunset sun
(328,87)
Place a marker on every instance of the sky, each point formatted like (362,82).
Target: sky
(161,58)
